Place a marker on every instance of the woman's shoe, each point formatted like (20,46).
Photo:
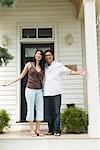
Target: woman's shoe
(37,132)
(33,133)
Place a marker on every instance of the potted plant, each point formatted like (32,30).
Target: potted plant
(5,56)
(74,120)
(4,119)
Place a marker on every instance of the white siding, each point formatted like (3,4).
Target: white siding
(98,46)
(62,13)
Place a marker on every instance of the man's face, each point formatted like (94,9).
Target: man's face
(48,57)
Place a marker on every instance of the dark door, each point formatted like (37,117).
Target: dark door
(27,53)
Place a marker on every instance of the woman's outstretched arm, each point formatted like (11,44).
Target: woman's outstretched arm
(23,73)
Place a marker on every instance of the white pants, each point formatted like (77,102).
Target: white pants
(34,99)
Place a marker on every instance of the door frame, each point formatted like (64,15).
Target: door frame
(18,57)
(24,60)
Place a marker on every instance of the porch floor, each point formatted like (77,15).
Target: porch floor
(25,134)
(22,140)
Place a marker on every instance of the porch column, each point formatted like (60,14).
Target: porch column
(92,68)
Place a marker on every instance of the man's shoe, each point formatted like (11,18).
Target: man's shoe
(49,133)
(57,134)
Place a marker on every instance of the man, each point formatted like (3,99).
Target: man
(53,90)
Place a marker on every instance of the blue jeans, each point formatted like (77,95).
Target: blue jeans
(52,111)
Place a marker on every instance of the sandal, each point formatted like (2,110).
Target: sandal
(33,133)
(37,132)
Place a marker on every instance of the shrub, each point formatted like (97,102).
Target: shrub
(74,120)
(8,3)
(5,56)
(4,119)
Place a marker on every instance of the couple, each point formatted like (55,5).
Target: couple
(44,79)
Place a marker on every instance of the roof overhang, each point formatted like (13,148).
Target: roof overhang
(98,6)
(79,6)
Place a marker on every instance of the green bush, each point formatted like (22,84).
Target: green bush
(5,56)
(8,3)
(4,119)
(74,120)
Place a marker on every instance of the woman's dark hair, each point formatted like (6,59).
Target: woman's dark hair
(42,62)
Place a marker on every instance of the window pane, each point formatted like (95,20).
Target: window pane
(28,33)
(44,32)
(29,52)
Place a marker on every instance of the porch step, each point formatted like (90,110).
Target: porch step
(21,126)
(23,140)
(49,144)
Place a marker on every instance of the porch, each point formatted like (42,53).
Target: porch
(88,95)
(22,140)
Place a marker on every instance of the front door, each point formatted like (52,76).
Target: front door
(27,53)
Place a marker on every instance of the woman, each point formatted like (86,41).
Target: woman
(33,91)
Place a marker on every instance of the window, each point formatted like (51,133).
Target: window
(29,33)
(35,33)
(44,32)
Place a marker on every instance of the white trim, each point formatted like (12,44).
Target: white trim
(92,80)
(31,41)
(84,1)
(18,89)
(55,42)
(36,27)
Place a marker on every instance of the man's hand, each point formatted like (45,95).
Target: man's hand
(82,72)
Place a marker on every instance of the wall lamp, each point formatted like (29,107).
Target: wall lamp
(69,39)
(4,40)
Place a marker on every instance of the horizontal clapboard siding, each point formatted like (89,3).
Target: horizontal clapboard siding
(62,13)
(98,46)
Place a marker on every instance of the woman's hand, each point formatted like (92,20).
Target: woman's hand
(5,84)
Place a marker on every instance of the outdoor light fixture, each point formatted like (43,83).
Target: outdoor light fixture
(69,39)
(4,40)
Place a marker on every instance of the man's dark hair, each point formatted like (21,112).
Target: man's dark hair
(48,50)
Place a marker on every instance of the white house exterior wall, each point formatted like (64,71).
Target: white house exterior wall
(98,45)
(63,15)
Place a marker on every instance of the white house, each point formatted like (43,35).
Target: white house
(72,30)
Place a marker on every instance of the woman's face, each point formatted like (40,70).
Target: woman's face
(38,55)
